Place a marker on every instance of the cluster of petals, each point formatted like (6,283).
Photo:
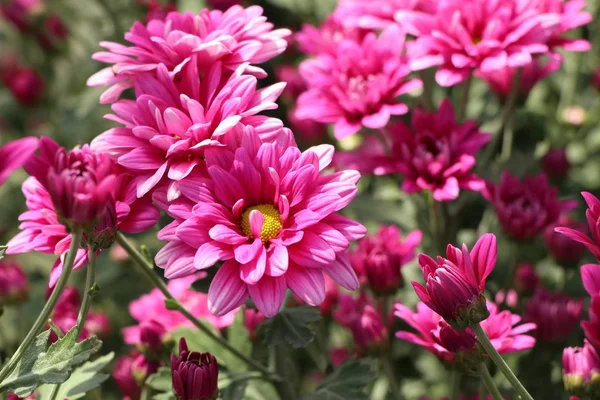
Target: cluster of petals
(150,309)
(324,39)
(364,320)
(14,285)
(358,84)
(563,248)
(556,315)
(168,127)
(377,14)
(593,218)
(460,36)
(14,154)
(454,285)
(581,365)
(269,213)
(130,372)
(43,231)
(526,207)
(590,275)
(237,37)
(503,328)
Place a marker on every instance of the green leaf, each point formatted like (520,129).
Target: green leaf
(161,380)
(291,326)
(164,396)
(83,380)
(260,390)
(233,389)
(347,382)
(43,363)
(240,339)
(194,6)
(199,341)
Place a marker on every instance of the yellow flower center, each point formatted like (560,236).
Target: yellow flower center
(271,226)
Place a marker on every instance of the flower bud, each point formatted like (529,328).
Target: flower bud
(369,332)
(556,164)
(565,250)
(194,374)
(25,84)
(581,371)
(131,371)
(151,335)
(223,4)
(555,314)
(14,288)
(252,320)
(53,34)
(526,278)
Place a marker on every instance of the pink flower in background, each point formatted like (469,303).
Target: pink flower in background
(157,9)
(377,14)
(151,307)
(438,153)
(14,285)
(483,35)
(364,321)
(591,328)
(306,130)
(572,16)
(504,329)
(295,84)
(564,249)
(20,12)
(236,37)
(581,367)
(526,207)
(326,38)
(14,154)
(338,356)
(501,81)
(379,258)
(590,276)
(25,84)
(593,217)
(53,33)
(130,373)
(357,85)
(596,79)
(252,320)
(194,375)
(454,285)
(556,163)
(526,278)
(371,157)
(270,214)
(223,4)
(168,128)
(507,299)
(555,314)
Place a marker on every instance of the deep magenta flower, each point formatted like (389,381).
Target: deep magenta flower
(556,315)
(581,370)
(438,153)
(223,4)
(167,129)
(360,316)
(484,35)
(357,85)
(237,37)
(564,249)
(53,33)
(454,285)
(252,320)
(377,14)
(593,217)
(130,373)
(14,154)
(504,329)
(269,213)
(326,38)
(378,258)
(525,208)
(150,311)
(526,278)
(20,12)
(14,285)
(572,15)
(591,328)
(151,334)
(194,374)
(555,163)
(25,84)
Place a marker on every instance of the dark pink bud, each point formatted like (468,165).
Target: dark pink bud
(151,335)
(369,331)
(593,218)
(526,278)
(338,356)
(565,250)
(53,34)
(555,314)
(454,341)
(131,371)
(14,287)
(596,79)
(252,320)
(194,374)
(591,328)
(21,12)
(223,4)
(25,84)
(295,84)
(454,285)
(581,371)
(525,208)
(556,164)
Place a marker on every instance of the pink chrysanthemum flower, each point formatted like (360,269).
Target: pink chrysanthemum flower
(454,285)
(591,328)
(238,36)
(504,329)
(377,14)
(326,38)
(581,370)
(485,35)
(167,129)
(268,213)
(358,85)
(151,307)
(572,16)
(438,153)
(556,315)
(360,316)
(14,154)
(593,218)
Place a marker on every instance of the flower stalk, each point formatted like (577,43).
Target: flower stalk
(488,382)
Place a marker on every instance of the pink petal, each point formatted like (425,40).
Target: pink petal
(268,295)
(306,283)
(227,291)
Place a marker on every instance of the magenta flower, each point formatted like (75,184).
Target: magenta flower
(269,213)
(307,130)
(368,328)
(503,328)
(237,37)
(590,276)
(572,15)
(326,38)
(525,208)
(556,163)
(591,328)
(152,333)
(454,285)
(21,12)
(357,85)
(150,309)
(438,154)
(377,14)
(194,374)
(25,84)
(252,320)
(14,285)
(14,154)
(555,314)
(593,216)
(223,4)
(168,128)
(378,259)
(130,373)
(526,278)
(564,249)
(581,369)
(483,35)
(371,157)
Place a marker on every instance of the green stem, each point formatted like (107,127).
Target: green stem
(48,307)
(55,390)
(386,364)
(427,92)
(464,100)
(455,378)
(90,281)
(512,267)
(285,387)
(500,363)
(489,383)
(436,224)
(146,268)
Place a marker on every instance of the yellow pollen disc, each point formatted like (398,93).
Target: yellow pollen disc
(271,226)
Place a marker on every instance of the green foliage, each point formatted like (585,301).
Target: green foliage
(291,326)
(161,380)
(43,363)
(347,382)
(83,380)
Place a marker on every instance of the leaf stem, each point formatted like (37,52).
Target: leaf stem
(500,363)
(455,378)
(48,307)
(487,380)
(146,267)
